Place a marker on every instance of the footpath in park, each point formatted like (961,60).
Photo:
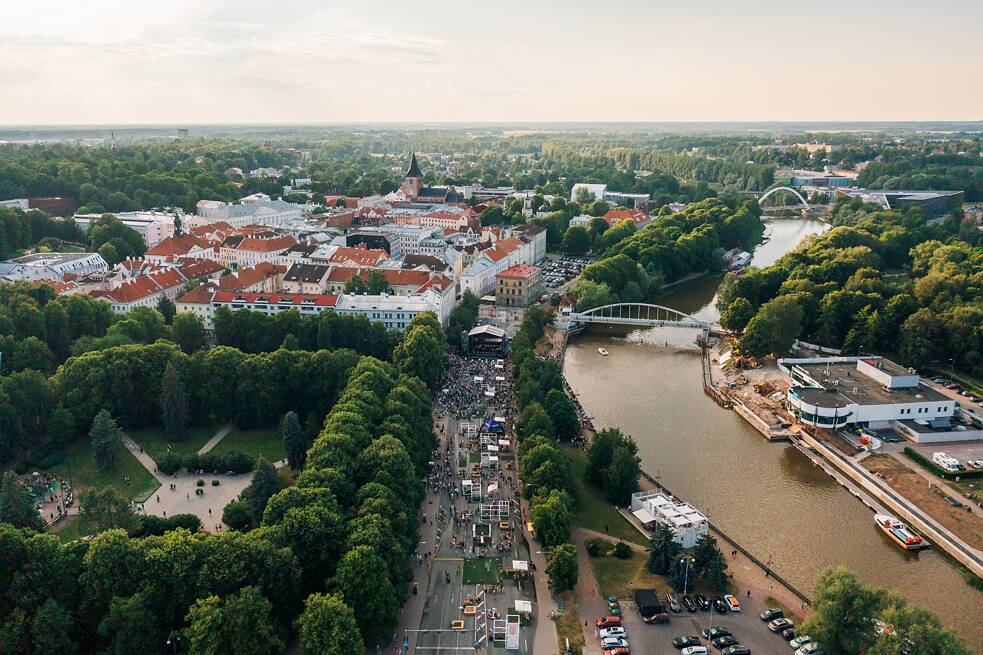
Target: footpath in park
(177,493)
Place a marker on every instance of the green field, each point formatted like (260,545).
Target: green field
(256,442)
(481,570)
(594,512)
(155,441)
(80,467)
(620,577)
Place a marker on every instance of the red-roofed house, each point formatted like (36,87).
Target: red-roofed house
(186,245)
(358,257)
(518,286)
(240,251)
(637,216)
(401,282)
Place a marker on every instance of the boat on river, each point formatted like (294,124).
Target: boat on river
(899,532)
(603,352)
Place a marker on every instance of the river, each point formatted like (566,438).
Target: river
(767,496)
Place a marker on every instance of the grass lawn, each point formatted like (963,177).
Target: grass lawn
(86,475)
(74,528)
(568,625)
(772,602)
(481,570)
(155,440)
(620,577)
(256,442)
(594,512)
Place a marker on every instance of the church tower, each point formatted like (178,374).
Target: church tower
(413,181)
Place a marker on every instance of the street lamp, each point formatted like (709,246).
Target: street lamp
(688,561)
(172,640)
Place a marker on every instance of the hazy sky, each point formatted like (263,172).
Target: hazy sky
(225,61)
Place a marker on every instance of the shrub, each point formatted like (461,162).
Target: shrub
(170,464)
(593,548)
(215,483)
(622,550)
(200,483)
(238,515)
(155,525)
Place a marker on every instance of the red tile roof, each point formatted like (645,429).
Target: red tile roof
(266,245)
(360,256)
(200,295)
(173,247)
(615,216)
(519,271)
(297,299)
(195,268)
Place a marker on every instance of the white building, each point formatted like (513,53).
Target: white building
(254,210)
(152,226)
(597,190)
(52,266)
(686,523)
(871,392)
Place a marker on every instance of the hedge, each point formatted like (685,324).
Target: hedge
(232,460)
(934,468)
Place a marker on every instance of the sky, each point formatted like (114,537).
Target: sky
(335,61)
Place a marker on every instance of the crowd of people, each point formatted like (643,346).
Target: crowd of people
(471,386)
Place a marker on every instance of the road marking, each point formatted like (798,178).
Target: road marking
(448,559)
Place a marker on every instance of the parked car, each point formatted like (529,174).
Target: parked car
(690,604)
(617,651)
(614,642)
(800,641)
(732,603)
(810,648)
(612,632)
(736,650)
(771,614)
(673,603)
(719,605)
(713,633)
(685,640)
(702,601)
(695,650)
(787,633)
(609,622)
(721,643)
(780,624)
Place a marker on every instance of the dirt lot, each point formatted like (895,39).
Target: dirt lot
(913,487)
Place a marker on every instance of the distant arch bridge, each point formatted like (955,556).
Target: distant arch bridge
(783,188)
(640,315)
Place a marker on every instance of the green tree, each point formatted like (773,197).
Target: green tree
(773,329)
(328,627)
(166,308)
(238,625)
(621,478)
(562,413)
(843,609)
(364,583)
(106,509)
(130,626)
(265,483)
(534,420)
(173,404)
(293,440)
(551,517)
(576,240)
(737,315)
(51,629)
(16,504)
(664,550)
(189,332)
(104,438)
(593,294)
(915,631)
(561,567)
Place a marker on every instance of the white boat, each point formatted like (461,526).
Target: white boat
(899,532)
(603,351)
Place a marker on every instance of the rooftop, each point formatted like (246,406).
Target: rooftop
(844,385)
(521,271)
(50,258)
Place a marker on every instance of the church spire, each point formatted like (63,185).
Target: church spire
(414,169)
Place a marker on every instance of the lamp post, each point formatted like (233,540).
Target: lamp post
(172,640)
(687,561)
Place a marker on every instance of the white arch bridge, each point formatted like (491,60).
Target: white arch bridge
(639,314)
(784,188)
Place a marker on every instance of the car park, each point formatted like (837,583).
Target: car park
(702,601)
(780,624)
(719,605)
(732,603)
(612,632)
(736,649)
(685,640)
(695,650)
(689,604)
(800,641)
(771,614)
(723,642)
